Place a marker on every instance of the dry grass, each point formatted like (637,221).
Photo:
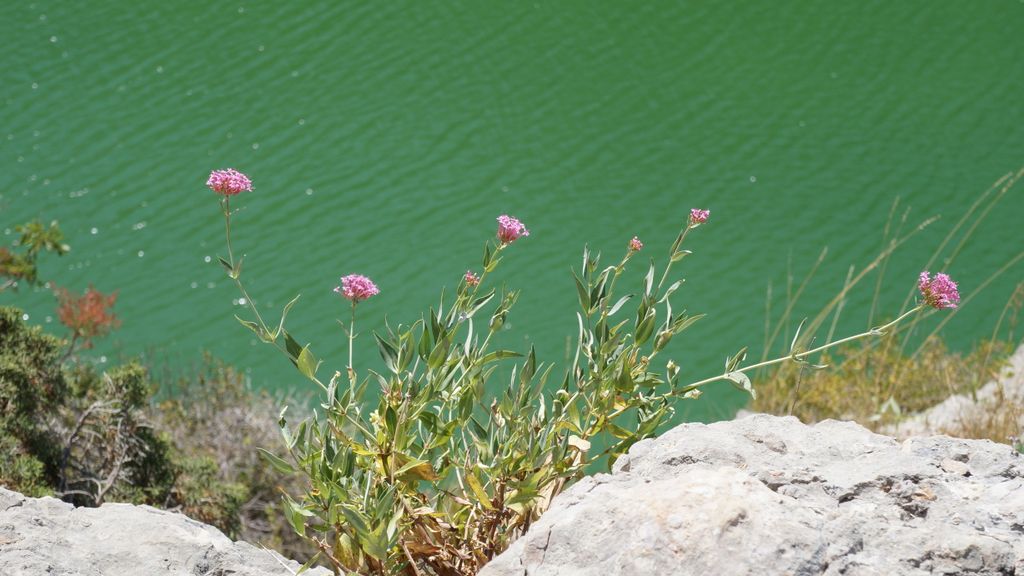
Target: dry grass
(880,381)
(875,384)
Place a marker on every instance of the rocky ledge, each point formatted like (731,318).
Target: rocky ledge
(760,495)
(44,536)
(769,495)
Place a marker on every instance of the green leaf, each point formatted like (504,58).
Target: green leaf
(238,269)
(742,381)
(480,303)
(645,328)
(600,290)
(680,254)
(391,420)
(277,463)
(439,354)
(529,367)
(796,337)
(227,266)
(662,340)
(684,322)
(586,260)
(649,280)
(284,314)
(582,294)
(295,514)
(671,290)
(499,355)
(292,346)
(523,496)
(435,323)
(481,495)
(679,240)
(377,543)
(357,521)
(619,304)
(307,363)
(252,326)
(425,342)
(732,363)
(419,468)
(407,347)
(388,352)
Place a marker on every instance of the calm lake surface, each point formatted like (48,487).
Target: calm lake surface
(384,139)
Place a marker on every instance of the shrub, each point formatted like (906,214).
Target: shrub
(216,420)
(31,384)
(86,436)
(428,465)
(107,446)
(20,264)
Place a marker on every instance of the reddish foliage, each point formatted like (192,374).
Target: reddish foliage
(89,315)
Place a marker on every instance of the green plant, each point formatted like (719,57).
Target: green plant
(21,265)
(86,437)
(31,384)
(429,465)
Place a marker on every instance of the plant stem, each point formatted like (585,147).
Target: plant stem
(611,287)
(668,266)
(351,342)
(872,332)
(231,260)
(227,229)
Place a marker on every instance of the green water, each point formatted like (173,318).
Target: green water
(385,137)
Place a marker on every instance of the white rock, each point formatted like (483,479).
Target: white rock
(768,495)
(44,536)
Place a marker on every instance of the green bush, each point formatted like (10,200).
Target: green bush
(87,436)
(19,265)
(31,387)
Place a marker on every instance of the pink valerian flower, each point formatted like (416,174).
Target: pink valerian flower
(510,229)
(357,287)
(229,182)
(698,216)
(939,292)
(471,279)
(635,245)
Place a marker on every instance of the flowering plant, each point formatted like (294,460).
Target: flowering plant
(427,465)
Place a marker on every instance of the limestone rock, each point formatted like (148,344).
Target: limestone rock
(768,495)
(47,536)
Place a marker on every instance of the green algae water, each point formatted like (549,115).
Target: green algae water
(384,138)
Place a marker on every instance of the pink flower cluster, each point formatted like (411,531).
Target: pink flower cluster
(357,287)
(229,182)
(510,229)
(939,292)
(471,279)
(698,216)
(635,245)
